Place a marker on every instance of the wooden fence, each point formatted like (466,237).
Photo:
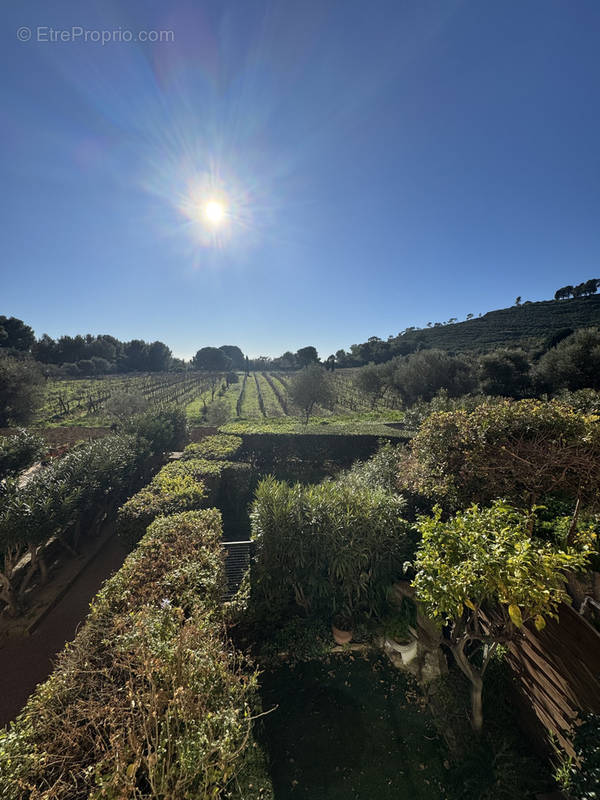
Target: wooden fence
(558,674)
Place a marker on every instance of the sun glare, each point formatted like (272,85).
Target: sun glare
(214,211)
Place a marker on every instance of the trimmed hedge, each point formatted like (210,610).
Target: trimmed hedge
(148,701)
(172,490)
(219,448)
(185,486)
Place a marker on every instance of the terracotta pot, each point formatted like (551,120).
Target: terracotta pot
(341,637)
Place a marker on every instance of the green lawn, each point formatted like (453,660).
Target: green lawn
(350,728)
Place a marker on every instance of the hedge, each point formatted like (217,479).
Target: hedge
(172,490)
(219,447)
(149,701)
(186,486)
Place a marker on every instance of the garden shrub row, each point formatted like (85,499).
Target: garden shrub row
(19,451)
(332,548)
(149,700)
(63,499)
(219,448)
(186,485)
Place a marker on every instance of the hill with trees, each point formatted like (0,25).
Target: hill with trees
(527,325)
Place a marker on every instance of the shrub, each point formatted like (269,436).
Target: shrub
(170,491)
(20,390)
(164,430)
(332,548)
(219,447)
(522,451)
(585,775)
(149,700)
(61,500)
(19,451)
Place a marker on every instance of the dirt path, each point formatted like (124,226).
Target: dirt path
(26,662)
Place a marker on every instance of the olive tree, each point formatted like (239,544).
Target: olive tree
(484,576)
(310,387)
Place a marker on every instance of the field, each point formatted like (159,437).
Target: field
(259,397)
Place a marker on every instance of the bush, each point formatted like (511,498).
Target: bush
(573,364)
(61,500)
(218,447)
(164,430)
(523,451)
(330,548)
(20,391)
(19,451)
(585,775)
(148,701)
(171,491)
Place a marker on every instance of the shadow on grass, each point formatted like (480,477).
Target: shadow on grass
(349,728)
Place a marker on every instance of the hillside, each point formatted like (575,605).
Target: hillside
(527,325)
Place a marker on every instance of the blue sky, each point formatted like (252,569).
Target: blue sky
(381,164)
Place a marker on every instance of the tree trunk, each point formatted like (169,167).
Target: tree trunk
(477,703)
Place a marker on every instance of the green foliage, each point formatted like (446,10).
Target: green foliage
(62,499)
(310,387)
(522,451)
(485,560)
(379,472)
(176,488)
(504,372)
(332,548)
(421,375)
(573,364)
(484,557)
(585,773)
(20,390)
(363,424)
(164,430)
(219,448)
(19,451)
(149,700)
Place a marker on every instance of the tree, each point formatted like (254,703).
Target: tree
(518,301)
(213,359)
(18,335)
(483,576)
(20,391)
(310,387)
(159,357)
(306,356)
(573,364)
(504,372)
(421,375)
(235,354)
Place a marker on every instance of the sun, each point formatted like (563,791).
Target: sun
(214,211)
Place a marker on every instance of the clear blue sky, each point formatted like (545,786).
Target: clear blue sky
(382,164)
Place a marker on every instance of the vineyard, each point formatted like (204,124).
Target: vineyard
(211,398)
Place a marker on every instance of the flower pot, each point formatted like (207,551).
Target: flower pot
(340,636)
(406,650)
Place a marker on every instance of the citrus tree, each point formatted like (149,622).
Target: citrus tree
(484,576)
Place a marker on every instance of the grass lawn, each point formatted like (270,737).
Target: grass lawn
(350,728)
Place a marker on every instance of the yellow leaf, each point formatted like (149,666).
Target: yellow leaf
(515,614)
(470,605)
(539,622)
(131,770)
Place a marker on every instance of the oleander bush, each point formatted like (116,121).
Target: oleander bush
(149,700)
(331,548)
(220,447)
(62,500)
(19,451)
